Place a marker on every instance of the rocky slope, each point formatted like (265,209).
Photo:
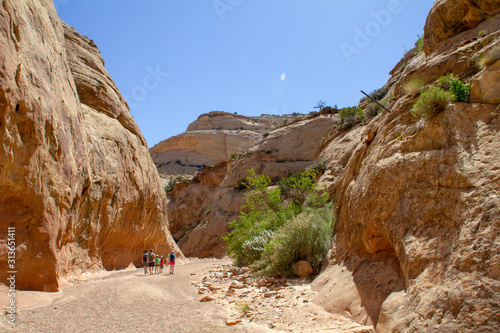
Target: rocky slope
(76,179)
(417,204)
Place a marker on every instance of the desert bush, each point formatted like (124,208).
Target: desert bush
(482,33)
(431,102)
(307,236)
(444,81)
(414,87)
(460,90)
(302,191)
(266,211)
(318,166)
(349,116)
(253,248)
(490,57)
(234,157)
(377,94)
(373,109)
(419,44)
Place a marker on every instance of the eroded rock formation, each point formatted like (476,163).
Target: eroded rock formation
(418,223)
(76,178)
(214,137)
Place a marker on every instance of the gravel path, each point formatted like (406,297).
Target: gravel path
(130,301)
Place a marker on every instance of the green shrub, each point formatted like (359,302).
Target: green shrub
(431,102)
(460,90)
(170,185)
(301,190)
(307,236)
(482,33)
(414,87)
(234,157)
(419,44)
(268,150)
(266,211)
(253,248)
(319,166)
(377,94)
(444,81)
(373,109)
(349,116)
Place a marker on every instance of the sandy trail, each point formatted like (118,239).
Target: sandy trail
(130,301)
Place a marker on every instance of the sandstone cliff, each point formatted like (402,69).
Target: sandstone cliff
(417,236)
(211,139)
(76,178)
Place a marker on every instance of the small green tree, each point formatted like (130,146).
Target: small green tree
(419,44)
(302,191)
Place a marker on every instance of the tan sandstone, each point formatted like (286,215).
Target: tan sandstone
(76,179)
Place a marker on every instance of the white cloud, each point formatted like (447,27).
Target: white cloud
(283,75)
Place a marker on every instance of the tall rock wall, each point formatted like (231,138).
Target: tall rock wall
(417,200)
(76,179)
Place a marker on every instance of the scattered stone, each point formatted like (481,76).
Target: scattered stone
(207,298)
(261,282)
(233,322)
(236,270)
(249,281)
(236,285)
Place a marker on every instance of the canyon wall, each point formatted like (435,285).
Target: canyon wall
(417,200)
(76,179)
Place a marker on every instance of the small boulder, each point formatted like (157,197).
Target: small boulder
(233,322)
(236,285)
(303,268)
(207,298)
(236,270)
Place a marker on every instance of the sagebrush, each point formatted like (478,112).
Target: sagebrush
(306,236)
(431,102)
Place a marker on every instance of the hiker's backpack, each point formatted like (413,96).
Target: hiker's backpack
(145,256)
(151,257)
(172,257)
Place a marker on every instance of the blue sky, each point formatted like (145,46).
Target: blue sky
(176,59)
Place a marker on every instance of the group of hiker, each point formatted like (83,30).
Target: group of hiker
(153,263)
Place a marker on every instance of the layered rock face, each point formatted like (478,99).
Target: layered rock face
(76,178)
(417,237)
(214,137)
(449,18)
